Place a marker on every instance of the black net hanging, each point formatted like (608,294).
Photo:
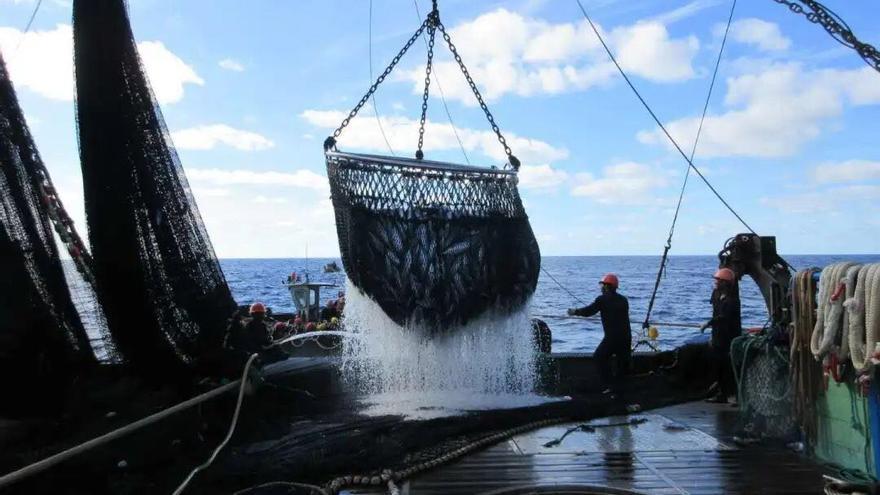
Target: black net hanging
(43,344)
(157,277)
(434,244)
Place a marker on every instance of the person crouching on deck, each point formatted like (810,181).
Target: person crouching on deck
(726,325)
(614,309)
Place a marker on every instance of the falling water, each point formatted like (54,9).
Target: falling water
(486,364)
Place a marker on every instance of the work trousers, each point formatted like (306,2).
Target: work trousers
(603,355)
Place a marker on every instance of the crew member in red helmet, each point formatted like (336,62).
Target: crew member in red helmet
(614,309)
(251,336)
(726,325)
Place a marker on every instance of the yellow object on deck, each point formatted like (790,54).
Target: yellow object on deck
(653,333)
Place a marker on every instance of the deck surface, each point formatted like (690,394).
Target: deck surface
(683,449)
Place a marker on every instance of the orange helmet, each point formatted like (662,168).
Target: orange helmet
(725,274)
(258,308)
(610,279)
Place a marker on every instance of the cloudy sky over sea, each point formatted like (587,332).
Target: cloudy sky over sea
(250,90)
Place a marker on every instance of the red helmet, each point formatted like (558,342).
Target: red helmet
(725,274)
(311,327)
(258,308)
(610,279)
(280,326)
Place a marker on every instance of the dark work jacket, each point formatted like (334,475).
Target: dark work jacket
(249,337)
(614,309)
(726,321)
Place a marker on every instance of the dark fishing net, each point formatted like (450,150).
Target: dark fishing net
(765,397)
(43,344)
(157,278)
(433,244)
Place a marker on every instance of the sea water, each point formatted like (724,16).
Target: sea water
(683,296)
(488,363)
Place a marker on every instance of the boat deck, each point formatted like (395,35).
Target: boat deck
(682,449)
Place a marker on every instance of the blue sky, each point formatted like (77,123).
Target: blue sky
(249,90)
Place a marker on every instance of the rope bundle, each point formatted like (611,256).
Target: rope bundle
(806,373)
(829,314)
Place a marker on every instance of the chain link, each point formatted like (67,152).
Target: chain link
(514,162)
(835,26)
(379,81)
(433,20)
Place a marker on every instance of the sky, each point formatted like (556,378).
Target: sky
(249,91)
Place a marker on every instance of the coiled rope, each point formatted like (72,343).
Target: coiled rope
(864,316)
(805,372)
(829,315)
(852,276)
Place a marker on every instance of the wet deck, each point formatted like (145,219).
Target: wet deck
(683,449)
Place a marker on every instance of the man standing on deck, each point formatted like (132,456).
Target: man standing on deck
(726,325)
(614,309)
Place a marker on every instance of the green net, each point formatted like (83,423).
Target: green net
(765,399)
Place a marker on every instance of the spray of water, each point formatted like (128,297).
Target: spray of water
(494,355)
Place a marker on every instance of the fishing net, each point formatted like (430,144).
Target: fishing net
(42,341)
(435,244)
(157,278)
(432,244)
(765,399)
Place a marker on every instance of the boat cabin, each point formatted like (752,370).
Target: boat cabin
(307,298)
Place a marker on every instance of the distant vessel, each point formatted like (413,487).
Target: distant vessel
(332,267)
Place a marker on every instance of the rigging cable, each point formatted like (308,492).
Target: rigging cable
(376,107)
(27,27)
(657,120)
(442,95)
(687,172)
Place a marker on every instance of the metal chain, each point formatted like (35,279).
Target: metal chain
(836,27)
(331,141)
(514,162)
(433,19)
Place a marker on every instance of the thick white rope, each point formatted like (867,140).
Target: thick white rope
(829,313)
(241,390)
(852,276)
(856,307)
(872,310)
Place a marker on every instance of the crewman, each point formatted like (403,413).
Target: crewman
(249,337)
(726,325)
(614,309)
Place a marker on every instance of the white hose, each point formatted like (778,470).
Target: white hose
(830,313)
(852,276)
(244,382)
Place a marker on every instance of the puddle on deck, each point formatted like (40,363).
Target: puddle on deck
(431,405)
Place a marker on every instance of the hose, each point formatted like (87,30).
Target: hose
(232,425)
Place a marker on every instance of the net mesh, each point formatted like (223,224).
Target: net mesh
(761,368)
(433,244)
(42,341)
(163,292)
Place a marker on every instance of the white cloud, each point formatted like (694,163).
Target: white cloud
(759,33)
(774,112)
(363,133)
(43,63)
(217,177)
(541,177)
(539,57)
(685,11)
(207,137)
(848,171)
(231,64)
(829,201)
(270,200)
(622,183)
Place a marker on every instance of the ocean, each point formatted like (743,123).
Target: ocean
(683,296)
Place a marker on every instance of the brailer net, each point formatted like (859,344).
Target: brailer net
(766,406)
(43,344)
(157,277)
(434,244)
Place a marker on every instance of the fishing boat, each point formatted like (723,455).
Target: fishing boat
(332,267)
(156,415)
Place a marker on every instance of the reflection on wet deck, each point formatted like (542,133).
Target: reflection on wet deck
(684,449)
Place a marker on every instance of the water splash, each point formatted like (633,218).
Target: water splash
(493,356)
